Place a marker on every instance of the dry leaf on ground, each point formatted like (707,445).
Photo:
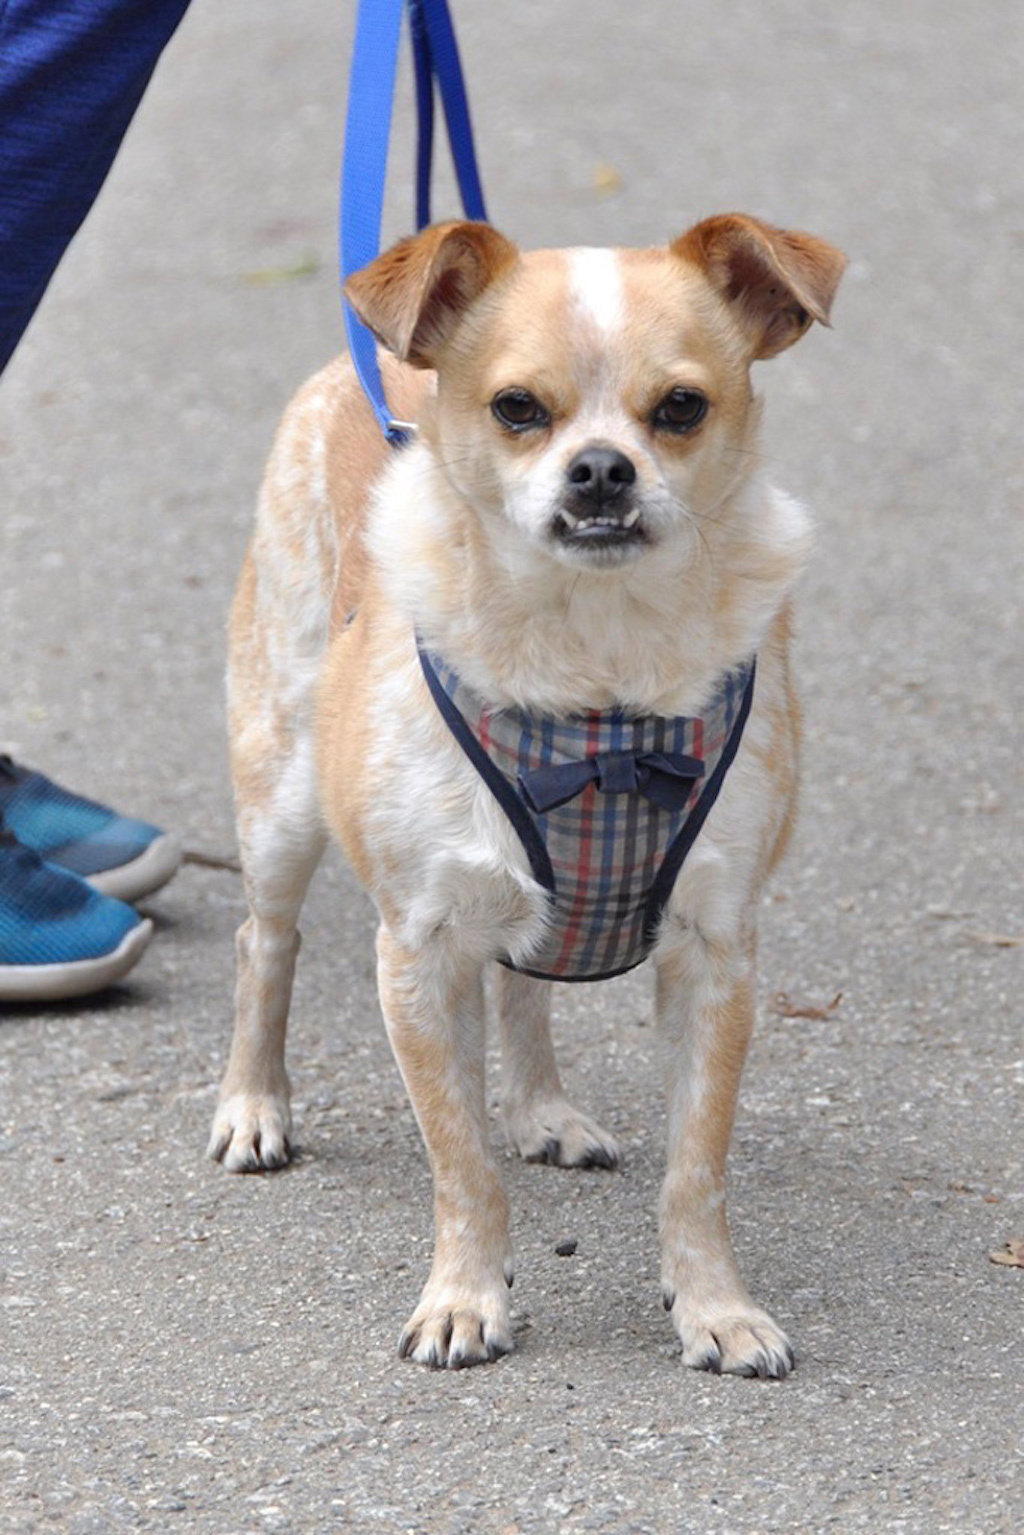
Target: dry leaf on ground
(606,179)
(306,266)
(1010,1255)
(996,940)
(785,1007)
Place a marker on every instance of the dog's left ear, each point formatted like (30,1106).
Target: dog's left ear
(776,280)
(413,296)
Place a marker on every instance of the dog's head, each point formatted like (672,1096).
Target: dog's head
(597,400)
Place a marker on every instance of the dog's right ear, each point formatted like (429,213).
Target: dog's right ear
(413,295)
(776,280)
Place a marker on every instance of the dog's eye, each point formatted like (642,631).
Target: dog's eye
(681,410)
(518,409)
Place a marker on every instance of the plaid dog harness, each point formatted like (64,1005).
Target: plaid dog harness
(606,805)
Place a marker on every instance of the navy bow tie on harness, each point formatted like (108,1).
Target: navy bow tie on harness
(665,778)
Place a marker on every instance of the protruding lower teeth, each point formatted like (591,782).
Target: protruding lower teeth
(575,524)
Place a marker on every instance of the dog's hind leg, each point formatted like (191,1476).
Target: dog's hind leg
(540,1122)
(281,839)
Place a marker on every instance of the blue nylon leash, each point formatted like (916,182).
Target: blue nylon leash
(447,70)
(424,74)
(367,134)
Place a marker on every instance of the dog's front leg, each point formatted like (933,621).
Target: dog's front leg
(433,1006)
(705,1003)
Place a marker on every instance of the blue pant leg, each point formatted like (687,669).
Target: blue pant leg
(72,73)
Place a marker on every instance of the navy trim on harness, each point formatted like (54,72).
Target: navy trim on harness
(675,857)
(522,822)
(365,159)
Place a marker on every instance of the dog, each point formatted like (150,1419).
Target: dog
(578,540)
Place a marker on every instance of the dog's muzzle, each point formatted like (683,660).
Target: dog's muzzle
(599,510)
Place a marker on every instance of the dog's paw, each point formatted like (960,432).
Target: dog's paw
(555,1132)
(451,1330)
(251,1133)
(738,1340)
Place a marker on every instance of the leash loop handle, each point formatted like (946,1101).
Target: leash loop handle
(367,136)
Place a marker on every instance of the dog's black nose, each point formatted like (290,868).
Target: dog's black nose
(601,474)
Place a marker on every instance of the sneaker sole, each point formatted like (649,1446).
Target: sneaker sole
(77,978)
(150,871)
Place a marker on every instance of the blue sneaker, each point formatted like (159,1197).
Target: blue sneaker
(58,936)
(120,857)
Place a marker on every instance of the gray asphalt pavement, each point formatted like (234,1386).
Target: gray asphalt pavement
(181,1350)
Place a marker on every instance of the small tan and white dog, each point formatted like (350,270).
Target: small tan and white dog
(580,524)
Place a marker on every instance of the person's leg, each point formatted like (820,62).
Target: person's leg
(72,73)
